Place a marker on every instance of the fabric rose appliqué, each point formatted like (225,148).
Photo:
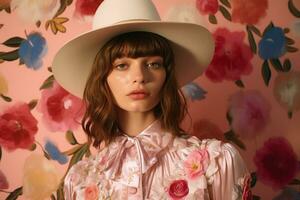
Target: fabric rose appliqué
(196,163)
(91,192)
(178,189)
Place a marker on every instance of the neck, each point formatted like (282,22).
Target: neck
(132,123)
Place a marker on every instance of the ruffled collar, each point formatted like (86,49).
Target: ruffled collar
(135,155)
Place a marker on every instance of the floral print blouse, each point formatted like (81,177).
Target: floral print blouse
(157,165)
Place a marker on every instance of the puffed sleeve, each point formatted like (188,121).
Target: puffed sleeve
(227,183)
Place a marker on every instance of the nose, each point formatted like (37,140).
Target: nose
(139,74)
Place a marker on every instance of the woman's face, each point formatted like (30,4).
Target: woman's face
(136,82)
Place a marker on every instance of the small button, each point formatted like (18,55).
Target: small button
(132,190)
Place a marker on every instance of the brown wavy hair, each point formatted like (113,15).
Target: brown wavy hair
(100,119)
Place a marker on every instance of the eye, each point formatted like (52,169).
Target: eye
(154,65)
(121,66)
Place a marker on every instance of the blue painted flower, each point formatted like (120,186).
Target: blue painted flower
(54,153)
(194,91)
(273,44)
(32,50)
(288,194)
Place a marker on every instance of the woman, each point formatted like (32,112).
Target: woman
(135,107)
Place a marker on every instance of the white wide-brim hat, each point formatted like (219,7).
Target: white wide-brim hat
(193,45)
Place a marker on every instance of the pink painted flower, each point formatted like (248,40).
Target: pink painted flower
(86,7)
(250,113)
(207,6)
(287,90)
(178,189)
(276,163)
(204,129)
(61,110)
(3,181)
(248,12)
(91,192)
(247,194)
(232,56)
(17,127)
(196,163)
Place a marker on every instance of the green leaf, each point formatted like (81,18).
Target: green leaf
(239,83)
(60,192)
(286,30)
(48,83)
(212,19)
(225,12)
(10,56)
(0,153)
(276,64)
(78,155)
(255,197)
(251,41)
(271,25)
(231,136)
(253,179)
(254,30)
(32,104)
(1,25)
(295,182)
(226,3)
(290,114)
(266,72)
(71,138)
(228,117)
(32,147)
(287,65)
(15,194)
(5,98)
(13,42)
(38,23)
(63,5)
(293,9)
(49,69)
(289,41)
(288,49)
(53,197)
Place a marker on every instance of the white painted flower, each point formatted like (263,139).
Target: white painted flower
(287,90)
(185,13)
(35,10)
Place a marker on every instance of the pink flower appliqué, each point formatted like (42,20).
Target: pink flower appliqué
(61,110)
(232,56)
(17,127)
(196,163)
(207,6)
(250,113)
(178,189)
(91,192)
(248,12)
(276,163)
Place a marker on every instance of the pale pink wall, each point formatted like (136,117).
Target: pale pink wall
(24,86)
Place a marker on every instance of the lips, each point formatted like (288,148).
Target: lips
(138,94)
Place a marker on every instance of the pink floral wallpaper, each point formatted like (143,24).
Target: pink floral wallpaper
(249,95)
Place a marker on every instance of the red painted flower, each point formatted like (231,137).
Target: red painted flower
(247,194)
(232,56)
(204,129)
(17,127)
(86,7)
(276,163)
(248,12)
(207,6)
(178,189)
(61,110)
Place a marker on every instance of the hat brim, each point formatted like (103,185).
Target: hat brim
(192,44)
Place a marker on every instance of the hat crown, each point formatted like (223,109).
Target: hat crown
(115,11)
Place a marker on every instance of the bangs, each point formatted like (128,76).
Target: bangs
(140,44)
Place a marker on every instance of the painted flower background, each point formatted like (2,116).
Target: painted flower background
(249,95)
